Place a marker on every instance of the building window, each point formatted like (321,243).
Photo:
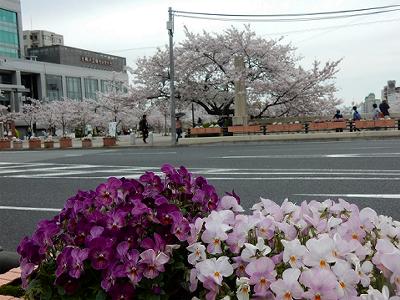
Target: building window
(54,87)
(106,86)
(74,88)
(9,40)
(91,88)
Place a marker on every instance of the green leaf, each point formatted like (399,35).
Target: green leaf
(46,293)
(60,290)
(101,295)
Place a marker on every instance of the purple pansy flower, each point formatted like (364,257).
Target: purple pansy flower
(153,263)
(77,258)
(101,253)
(168,214)
(122,292)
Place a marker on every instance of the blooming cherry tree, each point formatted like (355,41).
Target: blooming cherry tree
(205,74)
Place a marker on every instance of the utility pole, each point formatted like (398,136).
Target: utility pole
(193,123)
(170,28)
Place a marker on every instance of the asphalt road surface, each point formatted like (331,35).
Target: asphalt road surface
(34,185)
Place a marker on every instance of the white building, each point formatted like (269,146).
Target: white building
(58,71)
(391,93)
(366,106)
(41,38)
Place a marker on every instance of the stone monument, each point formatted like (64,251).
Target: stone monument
(241,116)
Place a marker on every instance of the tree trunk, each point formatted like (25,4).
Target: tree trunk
(165,125)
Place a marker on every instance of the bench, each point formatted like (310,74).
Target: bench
(372,124)
(211,131)
(246,129)
(327,125)
(297,127)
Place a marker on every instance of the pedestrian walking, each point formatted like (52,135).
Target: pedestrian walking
(356,117)
(376,113)
(144,128)
(338,117)
(178,129)
(384,108)
(29,131)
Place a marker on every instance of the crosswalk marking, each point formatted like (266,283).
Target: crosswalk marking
(92,172)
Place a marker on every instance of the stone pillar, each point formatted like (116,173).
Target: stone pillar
(241,116)
(12,101)
(64,86)
(83,88)
(42,86)
(15,97)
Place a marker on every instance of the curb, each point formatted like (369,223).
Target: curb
(244,138)
(315,137)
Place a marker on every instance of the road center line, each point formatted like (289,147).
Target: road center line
(382,196)
(305,178)
(334,155)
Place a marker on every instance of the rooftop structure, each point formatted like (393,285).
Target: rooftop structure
(40,38)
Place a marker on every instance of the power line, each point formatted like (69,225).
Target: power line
(288,15)
(133,49)
(198,15)
(331,27)
(229,19)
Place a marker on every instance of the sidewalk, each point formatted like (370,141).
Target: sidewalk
(7,278)
(159,140)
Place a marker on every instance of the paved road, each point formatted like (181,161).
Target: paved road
(35,185)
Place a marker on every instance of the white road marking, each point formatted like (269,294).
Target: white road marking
(395,173)
(338,155)
(18,166)
(382,196)
(305,178)
(91,172)
(47,169)
(29,208)
(139,153)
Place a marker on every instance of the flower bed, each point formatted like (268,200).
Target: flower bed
(328,250)
(5,143)
(121,239)
(172,237)
(109,141)
(65,142)
(34,143)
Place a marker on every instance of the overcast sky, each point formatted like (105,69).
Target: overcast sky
(369,45)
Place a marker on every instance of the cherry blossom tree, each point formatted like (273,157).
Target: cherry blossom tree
(64,112)
(84,113)
(123,106)
(30,112)
(4,114)
(205,75)
(4,117)
(47,116)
